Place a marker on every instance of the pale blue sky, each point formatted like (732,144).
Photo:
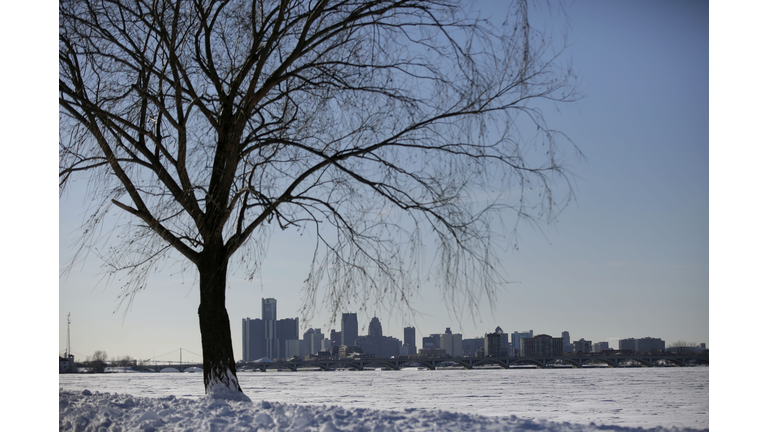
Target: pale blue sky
(629,259)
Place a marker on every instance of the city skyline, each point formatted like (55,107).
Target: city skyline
(632,251)
(497,343)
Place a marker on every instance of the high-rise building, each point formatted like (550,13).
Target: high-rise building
(516,345)
(374,328)
(269,316)
(287,330)
(349,329)
(642,345)
(268,336)
(492,345)
(335,338)
(312,342)
(542,345)
(470,346)
(582,346)
(505,351)
(378,344)
(451,343)
(409,340)
(599,346)
(253,339)
(567,345)
(430,342)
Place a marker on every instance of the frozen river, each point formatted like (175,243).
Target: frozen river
(628,397)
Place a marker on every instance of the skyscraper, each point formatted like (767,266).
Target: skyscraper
(253,339)
(287,330)
(269,316)
(374,329)
(378,344)
(567,346)
(409,340)
(348,329)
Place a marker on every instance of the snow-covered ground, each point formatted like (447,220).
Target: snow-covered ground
(512,400)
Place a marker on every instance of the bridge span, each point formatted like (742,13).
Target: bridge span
(573,361)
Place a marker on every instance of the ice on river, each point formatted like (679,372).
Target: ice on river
(511,400)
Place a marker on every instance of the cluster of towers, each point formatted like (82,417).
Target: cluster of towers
(276,339)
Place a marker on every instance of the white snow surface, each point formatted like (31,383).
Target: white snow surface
(658,399)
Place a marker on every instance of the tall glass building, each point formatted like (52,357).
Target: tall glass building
(269,316)
(349,329)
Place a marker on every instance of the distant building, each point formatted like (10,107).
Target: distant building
(409,341)
(567,345)
(269,316)
(254,342)
(335,338)
(287,331)
(516,339)
(492,346)
(582,346)
(67,364)
(432,353)
(471,345)
(376,343)
(642,345)
(311,342)
(268,336)
(349,329)
(346,351)
(600,346)
(451,343)
(649,344)
(542,345)
(431,342)
(505,348)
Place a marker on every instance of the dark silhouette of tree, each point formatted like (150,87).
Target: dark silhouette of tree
(376,126)
(97,362)
(682,347)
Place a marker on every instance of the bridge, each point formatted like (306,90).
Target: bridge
(573,361)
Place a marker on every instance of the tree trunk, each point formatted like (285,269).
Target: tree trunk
(218,358)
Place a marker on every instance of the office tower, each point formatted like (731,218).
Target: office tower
(470,346)
(431,342)
(409,340)
(451,343)
(287,330)
(349,329)
(254,347)
(269,316)
(335,338)
(492,345)
(542,345)
(567,346)
(374,328)
(642,345)
(582,346)
(516,345)
(312,342)
(496,344)
(378,344)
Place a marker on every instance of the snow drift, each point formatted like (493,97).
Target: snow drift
(94,411)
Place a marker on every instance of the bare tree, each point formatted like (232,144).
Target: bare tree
(97,362)
(376,126)
(682,347)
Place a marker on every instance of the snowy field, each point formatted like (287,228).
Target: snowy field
(602,399)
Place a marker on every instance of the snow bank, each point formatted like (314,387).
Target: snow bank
(94,411)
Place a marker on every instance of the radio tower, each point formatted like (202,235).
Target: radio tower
(69,349)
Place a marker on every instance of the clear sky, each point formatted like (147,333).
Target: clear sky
(629,259)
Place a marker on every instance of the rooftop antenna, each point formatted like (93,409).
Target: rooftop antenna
(69,349)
